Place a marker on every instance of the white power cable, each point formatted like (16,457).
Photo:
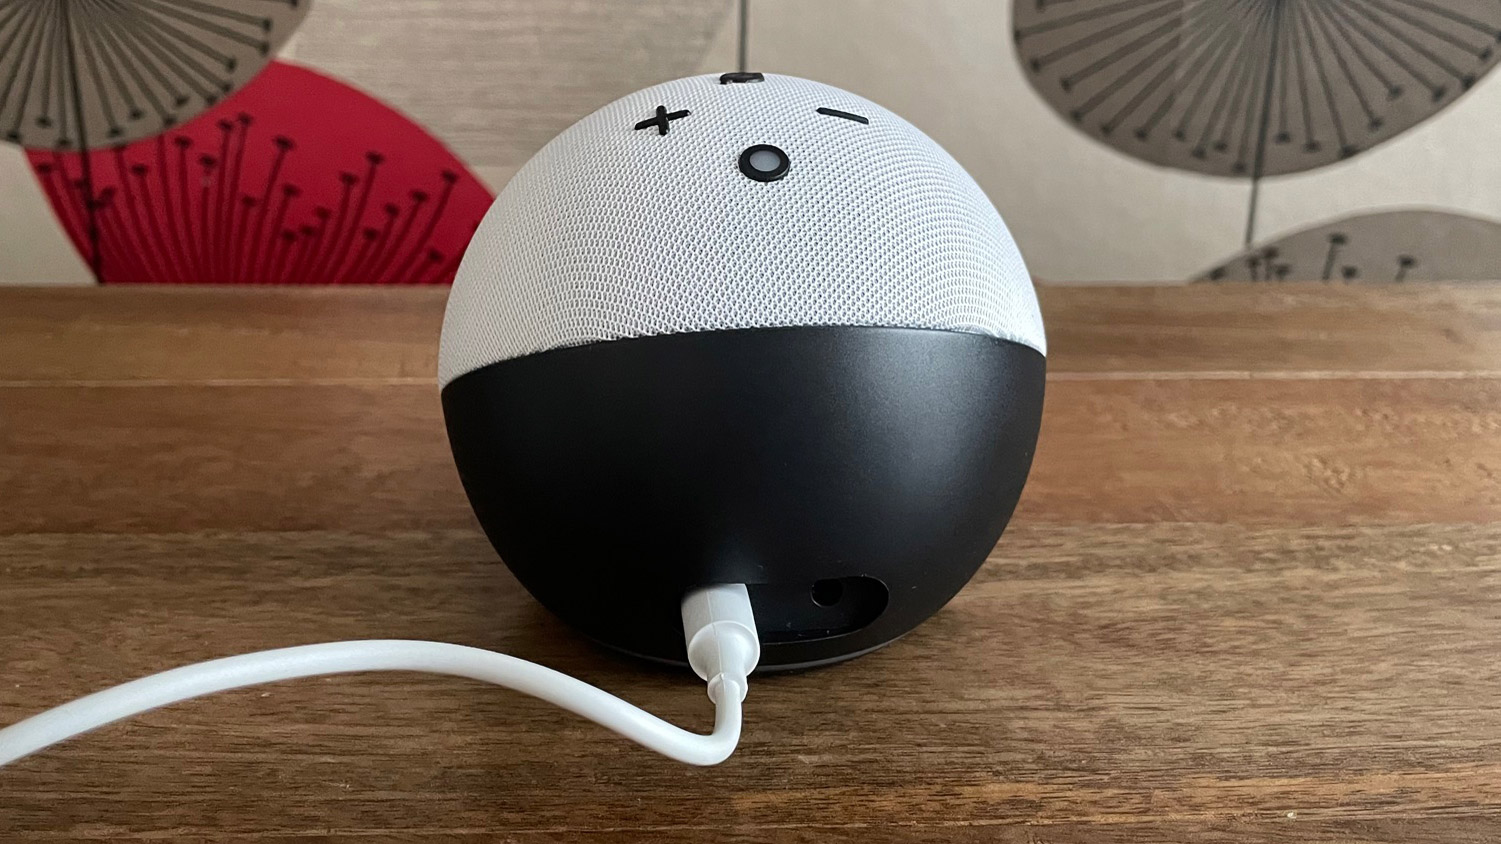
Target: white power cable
(717,623)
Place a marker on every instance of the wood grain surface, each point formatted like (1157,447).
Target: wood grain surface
(1250,595)
(191,333)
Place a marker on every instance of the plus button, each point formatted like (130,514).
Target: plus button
(661,119)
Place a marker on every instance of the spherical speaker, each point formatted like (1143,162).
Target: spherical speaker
(748,329)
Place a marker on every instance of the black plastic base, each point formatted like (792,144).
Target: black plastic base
(855,478)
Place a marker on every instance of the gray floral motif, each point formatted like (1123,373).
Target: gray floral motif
(96,74)
(1246,88)
(1387,246)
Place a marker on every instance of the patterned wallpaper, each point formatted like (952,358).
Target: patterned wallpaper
(358,140)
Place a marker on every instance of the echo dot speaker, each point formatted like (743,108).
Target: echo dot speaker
(743,329)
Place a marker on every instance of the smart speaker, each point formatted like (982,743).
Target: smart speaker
(740,372)
(743,329)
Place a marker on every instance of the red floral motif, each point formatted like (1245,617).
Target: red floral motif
(295,179)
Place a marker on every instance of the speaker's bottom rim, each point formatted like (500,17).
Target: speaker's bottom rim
(762,668)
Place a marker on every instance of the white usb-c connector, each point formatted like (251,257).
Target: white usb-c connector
(718,627)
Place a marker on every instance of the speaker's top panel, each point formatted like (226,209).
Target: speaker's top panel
(734,201)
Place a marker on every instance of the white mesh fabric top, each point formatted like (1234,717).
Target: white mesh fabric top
(612,232)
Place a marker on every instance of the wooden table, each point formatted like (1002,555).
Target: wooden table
(1252,593)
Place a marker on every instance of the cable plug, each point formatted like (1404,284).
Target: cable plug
(720,632)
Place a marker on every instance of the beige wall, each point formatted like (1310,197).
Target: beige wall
(496,78)
(33,248)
